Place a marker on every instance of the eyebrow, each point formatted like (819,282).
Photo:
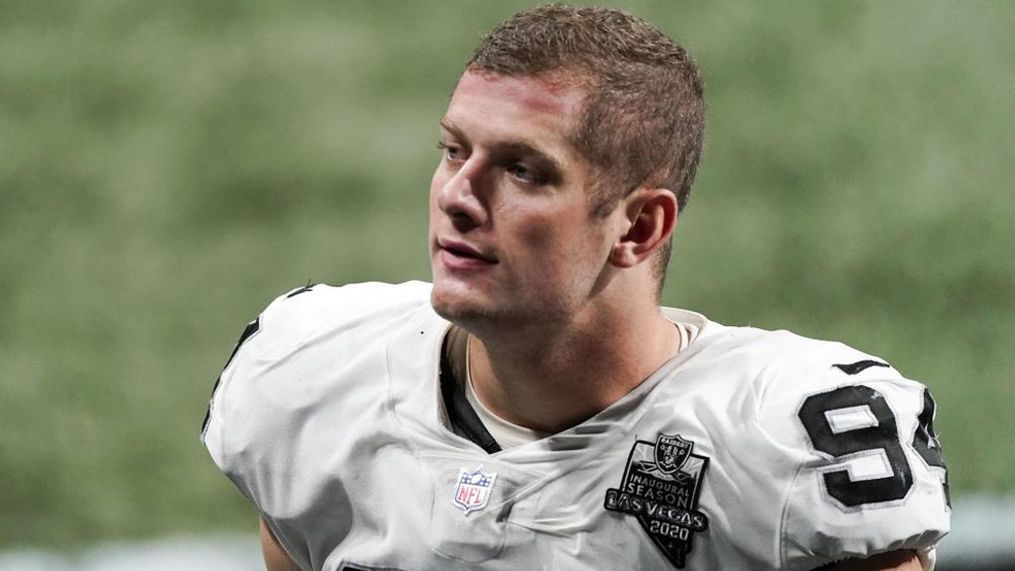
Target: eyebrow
(519,146)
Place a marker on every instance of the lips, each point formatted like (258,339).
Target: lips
(462,252)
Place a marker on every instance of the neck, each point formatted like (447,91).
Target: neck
(553,376)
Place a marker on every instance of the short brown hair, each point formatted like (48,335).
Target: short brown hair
(643,117)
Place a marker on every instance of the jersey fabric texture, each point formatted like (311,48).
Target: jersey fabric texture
(748,450)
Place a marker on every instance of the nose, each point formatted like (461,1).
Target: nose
(463,197)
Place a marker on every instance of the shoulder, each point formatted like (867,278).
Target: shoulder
(306,308)
(850,436)
(318,318)
(783,369)
(779,350)
(870,474)
(310,323)
(305,347)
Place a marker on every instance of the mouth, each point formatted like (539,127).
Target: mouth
(460,252)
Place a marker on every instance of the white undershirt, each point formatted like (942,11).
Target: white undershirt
(509,434)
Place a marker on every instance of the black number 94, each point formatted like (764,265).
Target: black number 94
(870,436)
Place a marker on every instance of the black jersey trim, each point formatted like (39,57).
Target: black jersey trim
(299,290)
(248,332)
(859,366)
(464,420)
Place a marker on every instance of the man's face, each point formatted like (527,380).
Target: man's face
(512,234)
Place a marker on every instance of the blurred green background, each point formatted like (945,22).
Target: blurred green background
(168,168)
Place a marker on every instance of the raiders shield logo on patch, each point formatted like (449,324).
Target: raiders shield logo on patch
(671,452)
(660,487)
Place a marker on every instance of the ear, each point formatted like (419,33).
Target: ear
(651,216)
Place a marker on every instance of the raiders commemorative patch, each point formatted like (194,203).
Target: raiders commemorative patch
(660,487)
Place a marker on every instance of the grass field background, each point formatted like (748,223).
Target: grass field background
(168,168)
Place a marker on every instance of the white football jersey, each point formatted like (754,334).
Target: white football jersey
(748,450)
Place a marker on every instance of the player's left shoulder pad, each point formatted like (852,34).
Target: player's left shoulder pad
(870,476)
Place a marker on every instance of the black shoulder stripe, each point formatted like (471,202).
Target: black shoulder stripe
(298,291)
(248,332)
(859,366)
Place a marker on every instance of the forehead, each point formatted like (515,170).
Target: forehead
(486,104)
(542,94)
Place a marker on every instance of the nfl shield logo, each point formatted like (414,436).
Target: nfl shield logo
(671,452)
(473,489)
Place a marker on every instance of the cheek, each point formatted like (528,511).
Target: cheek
(538,231)
(436,183)
(558,238)
(538,235)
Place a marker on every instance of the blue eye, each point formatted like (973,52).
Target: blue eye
(524,174)
(519,172)
(450,152)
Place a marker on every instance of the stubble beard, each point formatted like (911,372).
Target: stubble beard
(503,318)
(470,316)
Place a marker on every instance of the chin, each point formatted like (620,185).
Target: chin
(461,309)
(450,305)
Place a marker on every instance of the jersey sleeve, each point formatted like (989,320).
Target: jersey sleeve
(247,430)
(869,474)
(310,366)
(212,429)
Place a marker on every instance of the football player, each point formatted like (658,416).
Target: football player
(535,408)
